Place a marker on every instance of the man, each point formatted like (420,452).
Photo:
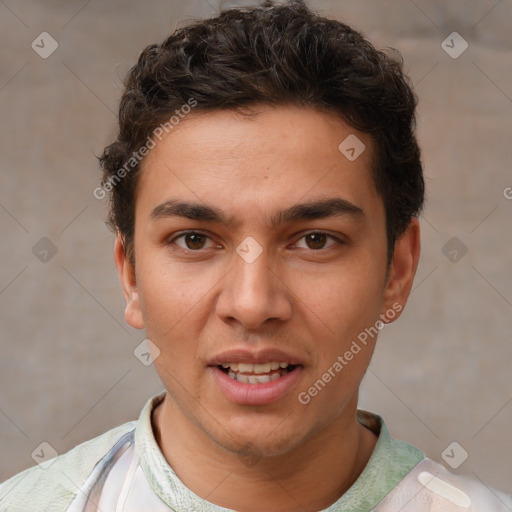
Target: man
(265,186)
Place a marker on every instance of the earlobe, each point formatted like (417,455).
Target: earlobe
(126,271)
(402,271)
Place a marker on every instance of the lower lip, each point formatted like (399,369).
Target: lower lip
(256,394)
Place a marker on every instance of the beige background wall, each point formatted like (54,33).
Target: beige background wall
(67,371)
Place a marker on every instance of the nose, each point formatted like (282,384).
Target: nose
(254,293)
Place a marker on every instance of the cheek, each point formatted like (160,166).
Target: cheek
(346,299)
(168,290)
(169,307)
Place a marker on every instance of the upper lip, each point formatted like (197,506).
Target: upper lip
(242,355)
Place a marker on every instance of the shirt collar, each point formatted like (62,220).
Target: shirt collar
(390,462)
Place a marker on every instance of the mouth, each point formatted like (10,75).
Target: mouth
(262,373)
(261,377)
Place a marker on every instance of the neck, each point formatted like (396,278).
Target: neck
(310,477)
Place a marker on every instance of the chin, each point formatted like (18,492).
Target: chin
(261,439)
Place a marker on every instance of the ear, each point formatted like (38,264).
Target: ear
(402,270)
(133,312)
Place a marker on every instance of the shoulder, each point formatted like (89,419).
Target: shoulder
(429,486)
(401,477)
(51,486)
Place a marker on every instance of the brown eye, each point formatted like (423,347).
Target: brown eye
(316,240)
(192,241)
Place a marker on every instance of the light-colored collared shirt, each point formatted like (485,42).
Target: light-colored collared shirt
(124,470)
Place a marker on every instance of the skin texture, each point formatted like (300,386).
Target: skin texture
(308,297)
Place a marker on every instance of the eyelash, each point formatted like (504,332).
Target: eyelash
(185,233)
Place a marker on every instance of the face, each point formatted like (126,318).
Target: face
(260,258)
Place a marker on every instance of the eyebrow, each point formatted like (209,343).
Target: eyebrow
(319,209)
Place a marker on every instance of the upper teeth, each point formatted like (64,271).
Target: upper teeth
(254,368)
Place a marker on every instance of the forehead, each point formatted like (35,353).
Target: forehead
(245,164)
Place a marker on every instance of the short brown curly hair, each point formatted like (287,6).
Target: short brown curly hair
(274,55)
